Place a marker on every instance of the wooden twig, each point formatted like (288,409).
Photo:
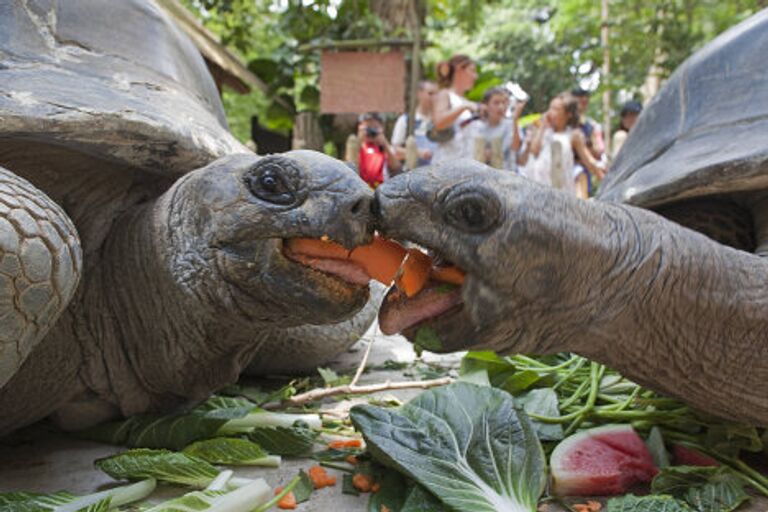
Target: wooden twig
(321,393)
(363,364)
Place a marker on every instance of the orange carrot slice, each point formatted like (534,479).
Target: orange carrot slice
(452,275)
(320,477)
(415,272)
(346,443)
(380,259)
(318,248)
(361,482)
(287,502)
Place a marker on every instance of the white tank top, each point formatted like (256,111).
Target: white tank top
(460,146)
(554,165)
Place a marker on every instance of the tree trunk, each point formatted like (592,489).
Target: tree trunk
(307,133)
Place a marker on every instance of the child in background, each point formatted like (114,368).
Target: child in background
(499,136)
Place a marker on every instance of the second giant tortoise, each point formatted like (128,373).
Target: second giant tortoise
(669,307)
(171,280)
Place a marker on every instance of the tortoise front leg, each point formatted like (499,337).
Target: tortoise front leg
(40,265)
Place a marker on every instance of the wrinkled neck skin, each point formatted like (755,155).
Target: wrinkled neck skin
(176,337)
(666,306)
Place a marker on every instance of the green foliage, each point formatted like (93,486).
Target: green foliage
(231,451)
(163,465)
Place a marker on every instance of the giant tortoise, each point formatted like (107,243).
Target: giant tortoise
(120,175)
(679,306)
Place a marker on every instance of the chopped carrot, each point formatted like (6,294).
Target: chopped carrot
(384,508)
(415,272)
(376,487)
(362,483)
(320,478)
(452,275)
(318,248)
(346,443)
(287,502)
(380,259)
(351,459)
(590,506)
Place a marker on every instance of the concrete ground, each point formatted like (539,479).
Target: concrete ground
(42,460)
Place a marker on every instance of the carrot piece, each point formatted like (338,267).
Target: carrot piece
(318,248)
(320,477)
(375,487)
(345,443)
(452,275)
(352,460)
(361,482)
(288,502)
(415,272)
(384,508)
(380,259)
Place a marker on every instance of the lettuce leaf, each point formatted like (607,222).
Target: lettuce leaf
(652,503)
(66,502)
(468,445)
(705,489)
(166,466)
(232,451)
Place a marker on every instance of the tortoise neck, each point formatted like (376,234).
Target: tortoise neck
(172,348)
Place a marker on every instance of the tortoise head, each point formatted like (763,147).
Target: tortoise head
(228,222)
(503,231)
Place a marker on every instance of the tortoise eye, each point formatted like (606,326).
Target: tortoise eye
(472,212)
(275,179)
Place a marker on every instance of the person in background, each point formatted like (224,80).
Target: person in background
(452,113)
(593,133)
(495,126)
(630,111)
(559,129)
(422,119)
(377,158)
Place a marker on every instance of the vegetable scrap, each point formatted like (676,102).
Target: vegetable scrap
(350,443)
(383,260)
(320,477)
(362,482)
(589,506)
(288,502)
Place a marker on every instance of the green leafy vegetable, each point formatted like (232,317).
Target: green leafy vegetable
(166,466)
(303,488)
(66,502)
(331,378)
(468,445)
(235,452)
(427,339)
(542,402)
(419,500)
(243,499)
(653,503)
(290,441)
(655,443)
(347,487)
(705,489)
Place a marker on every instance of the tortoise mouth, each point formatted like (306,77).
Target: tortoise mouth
(340,271)
(433,305)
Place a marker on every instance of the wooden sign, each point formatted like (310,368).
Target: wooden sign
(357,82)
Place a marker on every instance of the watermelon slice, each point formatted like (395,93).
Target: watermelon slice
(689,457)
(601,461)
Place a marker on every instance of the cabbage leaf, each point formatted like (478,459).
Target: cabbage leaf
(468,445)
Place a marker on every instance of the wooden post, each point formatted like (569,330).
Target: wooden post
(606,78)
(352,150)
(415,58)
(307,133)
(497,154)
(411,153)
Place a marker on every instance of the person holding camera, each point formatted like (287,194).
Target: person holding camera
(377,158)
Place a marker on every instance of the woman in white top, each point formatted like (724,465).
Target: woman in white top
(452,110)
(554,144)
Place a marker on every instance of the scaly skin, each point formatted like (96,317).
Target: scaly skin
(40,263)
(666,306)
(187,287)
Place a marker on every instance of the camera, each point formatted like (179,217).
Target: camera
(372,132)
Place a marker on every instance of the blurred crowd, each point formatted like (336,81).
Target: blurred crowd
(563,147)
